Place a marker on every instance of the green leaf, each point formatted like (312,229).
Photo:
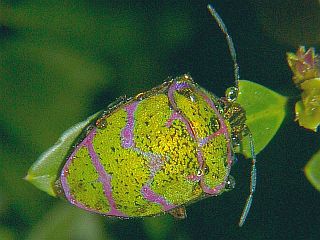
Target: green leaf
(312,170)
(43,173)
(265,111)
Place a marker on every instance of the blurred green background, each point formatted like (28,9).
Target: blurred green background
(61,61)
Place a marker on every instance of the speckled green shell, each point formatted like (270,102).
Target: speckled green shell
(150,154)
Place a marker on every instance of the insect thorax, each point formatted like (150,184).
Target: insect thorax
(236,116)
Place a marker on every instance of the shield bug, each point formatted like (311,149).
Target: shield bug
(159,151)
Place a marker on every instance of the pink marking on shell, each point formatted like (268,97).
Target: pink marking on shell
(63,179)
(212,191)
(174,87)
(177,116)
(151,196)
(104,178)
(205,140)
(68,194)
(223,130)
(156,161)
(200,158)
(127,140)
(155,164)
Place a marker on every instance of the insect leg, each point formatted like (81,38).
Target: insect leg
(253,180)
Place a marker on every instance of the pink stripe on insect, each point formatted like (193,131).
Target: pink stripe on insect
(151,196)
(127,132)
(104,177)
(223,130)
(178,116)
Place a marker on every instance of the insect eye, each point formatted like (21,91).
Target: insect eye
(230,183)
(206,170)
(231,94)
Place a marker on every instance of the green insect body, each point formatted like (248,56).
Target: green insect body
(159,151)
(156,152)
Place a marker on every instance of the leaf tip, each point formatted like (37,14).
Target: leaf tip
(27,178)
(44,183)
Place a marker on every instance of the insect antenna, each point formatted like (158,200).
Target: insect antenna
(234,94)
(232,50)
